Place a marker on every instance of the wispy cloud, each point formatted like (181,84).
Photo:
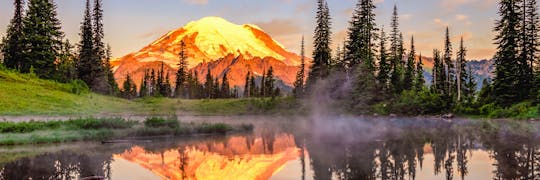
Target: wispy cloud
(200,2)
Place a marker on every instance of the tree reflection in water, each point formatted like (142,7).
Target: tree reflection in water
(342,149)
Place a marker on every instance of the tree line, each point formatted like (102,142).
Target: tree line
(379,74)
(34,43)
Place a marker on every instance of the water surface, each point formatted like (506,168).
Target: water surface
(299,148)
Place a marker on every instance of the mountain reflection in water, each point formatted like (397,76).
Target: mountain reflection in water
(342,149)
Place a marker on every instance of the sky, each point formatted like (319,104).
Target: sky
(132,24)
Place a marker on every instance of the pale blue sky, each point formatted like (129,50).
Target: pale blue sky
(132,24)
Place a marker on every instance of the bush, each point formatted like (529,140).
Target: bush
(26,127)
(156,122)
(419,102)
(91,123)
(79,87)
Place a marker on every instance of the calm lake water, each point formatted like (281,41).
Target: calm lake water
(298,148)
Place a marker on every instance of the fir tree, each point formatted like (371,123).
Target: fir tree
(361,35)
(408,77)
(299,82)
(153,90)
(529,48)
(129,89)
(67,71)
(252,87)
(225,86)
(262,92)
(113,86)
(470,88)
(396,55)
(181,80)
(384,65)
(42,38)
(321,52)
(99,45)
(88,65)
(12,48)
(439,76)
(167,90)
(461,72)
(269,83)
(247,87)
(507,82)
(208,85)
(448,64)
(143,92)
(419,78)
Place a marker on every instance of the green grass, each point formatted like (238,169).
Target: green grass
(104,129)
(27,95)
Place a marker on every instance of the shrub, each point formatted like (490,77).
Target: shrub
(79,87)
(92,123)
(156,122)
(214,128)
(419,102)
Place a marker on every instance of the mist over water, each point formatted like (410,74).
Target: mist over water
(317,147)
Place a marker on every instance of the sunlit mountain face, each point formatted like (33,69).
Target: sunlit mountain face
(240,157)
(216,44)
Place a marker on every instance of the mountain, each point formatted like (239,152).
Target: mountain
(216,44)
(482,69)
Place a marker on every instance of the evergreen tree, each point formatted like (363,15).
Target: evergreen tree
(461,71)
(99,45)
(262,92)
(396,54)
(269,83)
(439,75)
(225,87)
(384,65)
(216,89)
(208,85)
(153,90)
(408,78)
(12,48)
(247,86)
(143,92)
(113,86)
(419,78)
(529,48)
(42,39)
(448,64)
(88,65)
(507,83)
(167,90)
(253,87)
(66,64)
(129,89)
(181,74)
(321,52)
(469,90)
(361,35)
(299,82)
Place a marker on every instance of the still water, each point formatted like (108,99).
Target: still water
(297,148)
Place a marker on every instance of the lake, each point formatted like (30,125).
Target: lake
(299,148)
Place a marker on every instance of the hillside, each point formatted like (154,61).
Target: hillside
(25,94)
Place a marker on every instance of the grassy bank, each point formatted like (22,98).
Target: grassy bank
(105,129)
(27,95)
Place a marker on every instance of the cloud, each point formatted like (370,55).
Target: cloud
(199,2)
(461,17)
(451,4)
(405,17)
(279,27)
(440,22)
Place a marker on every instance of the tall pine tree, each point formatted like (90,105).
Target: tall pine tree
(384,65)
(299,82)
(12,48)
(42,39)
(408,77)
(506,85)
(88,65)
(439,75)
(321,52)
(461,71)
(181,74)
(396,55)
(419,80)
(448,64)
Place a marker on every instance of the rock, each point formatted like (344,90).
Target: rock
(448,116)
(393,115)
